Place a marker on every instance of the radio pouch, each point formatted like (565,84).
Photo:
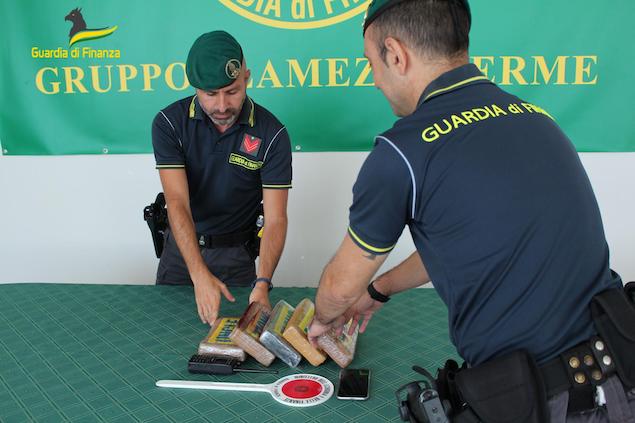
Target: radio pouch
(505,390)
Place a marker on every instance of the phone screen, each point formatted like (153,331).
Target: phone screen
(353,384)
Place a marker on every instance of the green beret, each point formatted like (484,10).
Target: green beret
(377,7)
(214,61)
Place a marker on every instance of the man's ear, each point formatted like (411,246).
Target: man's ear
(396,54)
(247,74)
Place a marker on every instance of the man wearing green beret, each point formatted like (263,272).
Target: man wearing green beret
(505,224)
(219,155)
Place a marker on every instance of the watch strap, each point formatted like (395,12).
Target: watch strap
(253,284)
(376,295)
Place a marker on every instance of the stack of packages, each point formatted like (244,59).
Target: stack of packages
(282,333)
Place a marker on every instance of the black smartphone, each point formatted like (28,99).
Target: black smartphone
(354,384)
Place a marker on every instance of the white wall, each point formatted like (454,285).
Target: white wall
(78,219)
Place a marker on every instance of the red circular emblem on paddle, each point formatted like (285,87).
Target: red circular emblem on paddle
(302,389)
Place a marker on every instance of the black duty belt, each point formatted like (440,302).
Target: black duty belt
(579,370)
(224,241)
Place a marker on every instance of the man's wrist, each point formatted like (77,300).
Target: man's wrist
(262,283)
(377,295)
(201,275)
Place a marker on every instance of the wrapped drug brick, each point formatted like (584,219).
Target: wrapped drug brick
(271,336)
(340,348)
(218,343)
(247,332)
(296,330)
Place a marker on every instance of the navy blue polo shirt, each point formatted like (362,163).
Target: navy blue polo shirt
(226,172)
(500,210)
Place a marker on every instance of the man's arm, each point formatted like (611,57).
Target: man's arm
(273,239)
(207,287)
(343,282)
(410,273)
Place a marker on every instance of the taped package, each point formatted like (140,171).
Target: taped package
(247,332)
(296,332)
(271,336)
(340,348)
(217,343)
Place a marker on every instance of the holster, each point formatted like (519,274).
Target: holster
(613,314)
(446,386)
(503,390)
(156,216)
(253,245)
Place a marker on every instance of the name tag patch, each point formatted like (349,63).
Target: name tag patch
(238,160)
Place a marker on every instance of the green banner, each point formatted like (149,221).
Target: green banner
(87,77)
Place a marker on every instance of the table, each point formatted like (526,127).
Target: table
(94,352)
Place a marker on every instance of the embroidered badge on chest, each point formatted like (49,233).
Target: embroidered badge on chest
(250,145)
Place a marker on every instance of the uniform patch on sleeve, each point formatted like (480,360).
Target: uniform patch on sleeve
(250,145)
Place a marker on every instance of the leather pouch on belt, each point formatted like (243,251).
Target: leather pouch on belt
(505,390)
(614,318)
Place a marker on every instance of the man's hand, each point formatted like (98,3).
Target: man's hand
(260,294)
(207,290)
(317,328)
(362,309)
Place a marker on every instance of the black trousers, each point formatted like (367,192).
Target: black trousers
(234,266)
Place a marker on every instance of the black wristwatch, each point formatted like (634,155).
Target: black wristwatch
(376,295)
(253,284)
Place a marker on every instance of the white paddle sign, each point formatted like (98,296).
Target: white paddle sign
(302,390)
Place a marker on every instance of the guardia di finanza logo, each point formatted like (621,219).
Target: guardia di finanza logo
(79,32)
(297,14)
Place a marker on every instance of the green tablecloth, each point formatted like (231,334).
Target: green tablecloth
(94,352)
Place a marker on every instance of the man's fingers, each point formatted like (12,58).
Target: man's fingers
(208,312)
(339,330)
(354,323)
(367,317)
(201,313)
(316,329)
(314,342)
(226,293)
(212,317)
